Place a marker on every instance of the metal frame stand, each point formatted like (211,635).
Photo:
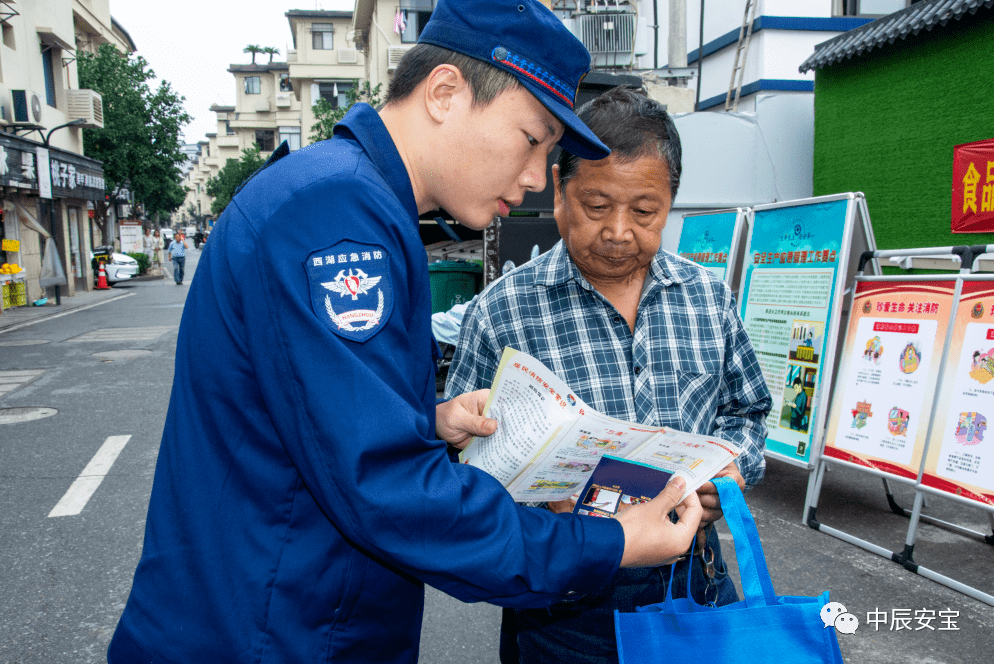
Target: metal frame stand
(905,557)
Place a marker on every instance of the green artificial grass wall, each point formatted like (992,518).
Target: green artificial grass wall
(886,124)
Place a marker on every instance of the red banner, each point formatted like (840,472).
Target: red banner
(973,187)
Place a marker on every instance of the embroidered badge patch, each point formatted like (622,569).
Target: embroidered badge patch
(351,289)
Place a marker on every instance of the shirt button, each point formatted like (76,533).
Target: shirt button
(617,319)
(638,370)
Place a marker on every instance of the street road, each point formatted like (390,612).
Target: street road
(74,486)
(74,489)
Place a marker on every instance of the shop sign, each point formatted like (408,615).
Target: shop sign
(973,187)
(76,177)
(17,164)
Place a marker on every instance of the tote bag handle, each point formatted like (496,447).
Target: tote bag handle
(753,574)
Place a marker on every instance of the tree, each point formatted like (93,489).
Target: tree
(254,49)
(327,117)
(139,143)
(235,172)
(269,50)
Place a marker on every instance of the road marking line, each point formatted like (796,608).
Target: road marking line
(86,484)
(64,313)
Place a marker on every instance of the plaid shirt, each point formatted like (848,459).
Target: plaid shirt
(688,365)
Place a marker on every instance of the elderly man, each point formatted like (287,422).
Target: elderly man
(639,333)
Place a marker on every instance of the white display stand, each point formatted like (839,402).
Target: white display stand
(915,356)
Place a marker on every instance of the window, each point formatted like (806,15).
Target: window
(253,85)
(874,7)
(227,128)
(292,137)
(321,36)
(8,36)
(285,85)
(414,14)
(264,139)
(47,58)
(337,93)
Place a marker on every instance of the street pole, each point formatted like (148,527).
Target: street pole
(51,202)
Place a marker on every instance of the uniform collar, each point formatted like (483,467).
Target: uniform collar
(363,124)
(559,268)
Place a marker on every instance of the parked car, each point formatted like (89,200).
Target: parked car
(167,237)
(119,268)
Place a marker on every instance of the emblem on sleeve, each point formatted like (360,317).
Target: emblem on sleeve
(351,291)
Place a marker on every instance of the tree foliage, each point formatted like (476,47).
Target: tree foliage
(235,172)
(139,143)
(254,49)
(327,117)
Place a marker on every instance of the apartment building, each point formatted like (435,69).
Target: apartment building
(324,63)
(47,185)
(196,173)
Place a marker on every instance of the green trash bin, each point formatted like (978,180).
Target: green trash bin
(452,283)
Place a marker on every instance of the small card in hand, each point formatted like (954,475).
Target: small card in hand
(617,484)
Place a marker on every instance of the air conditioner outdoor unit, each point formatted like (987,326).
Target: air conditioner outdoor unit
(283,100)
(347,56)
(394,55)
(27,106)
(85,105)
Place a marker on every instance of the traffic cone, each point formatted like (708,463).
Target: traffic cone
(102,279)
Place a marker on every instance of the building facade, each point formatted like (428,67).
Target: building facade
(47,184)
(325,63)
(915,78)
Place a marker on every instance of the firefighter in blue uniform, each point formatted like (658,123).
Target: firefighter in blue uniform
(303,495)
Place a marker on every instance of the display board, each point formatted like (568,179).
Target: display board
(888,372)
(715,240)
(916,375)
(960,460)
(131,237)
(799,258)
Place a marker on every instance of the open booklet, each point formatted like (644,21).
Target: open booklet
(548,441)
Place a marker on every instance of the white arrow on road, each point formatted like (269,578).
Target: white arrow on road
(86,484)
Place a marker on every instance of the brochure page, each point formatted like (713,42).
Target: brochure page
(548,441)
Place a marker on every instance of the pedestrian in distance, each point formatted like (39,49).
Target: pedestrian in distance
(148,245)
(157,249)
(177,254)
(304,492)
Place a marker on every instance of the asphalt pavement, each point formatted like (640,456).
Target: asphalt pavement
(74,485)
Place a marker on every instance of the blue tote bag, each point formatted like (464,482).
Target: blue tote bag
(763,628)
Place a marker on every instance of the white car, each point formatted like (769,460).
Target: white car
(167,237)
(120,268)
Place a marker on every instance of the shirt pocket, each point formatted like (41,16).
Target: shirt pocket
(697,398)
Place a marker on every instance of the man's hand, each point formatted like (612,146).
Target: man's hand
(711,504)
(651,539)
(461,418)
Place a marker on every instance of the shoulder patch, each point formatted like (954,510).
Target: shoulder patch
(351,290)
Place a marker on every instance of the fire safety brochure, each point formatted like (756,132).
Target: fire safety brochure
(548,441)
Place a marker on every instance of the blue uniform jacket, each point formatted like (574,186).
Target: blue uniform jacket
(300,498)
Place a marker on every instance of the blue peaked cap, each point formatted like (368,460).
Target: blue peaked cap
(524,38)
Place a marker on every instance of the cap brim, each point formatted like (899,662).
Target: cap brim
(577,138)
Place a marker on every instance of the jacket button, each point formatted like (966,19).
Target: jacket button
(638,370)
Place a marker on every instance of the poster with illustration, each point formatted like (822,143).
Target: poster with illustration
(788,299)
(961,451)
(712,240)
(887,373)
